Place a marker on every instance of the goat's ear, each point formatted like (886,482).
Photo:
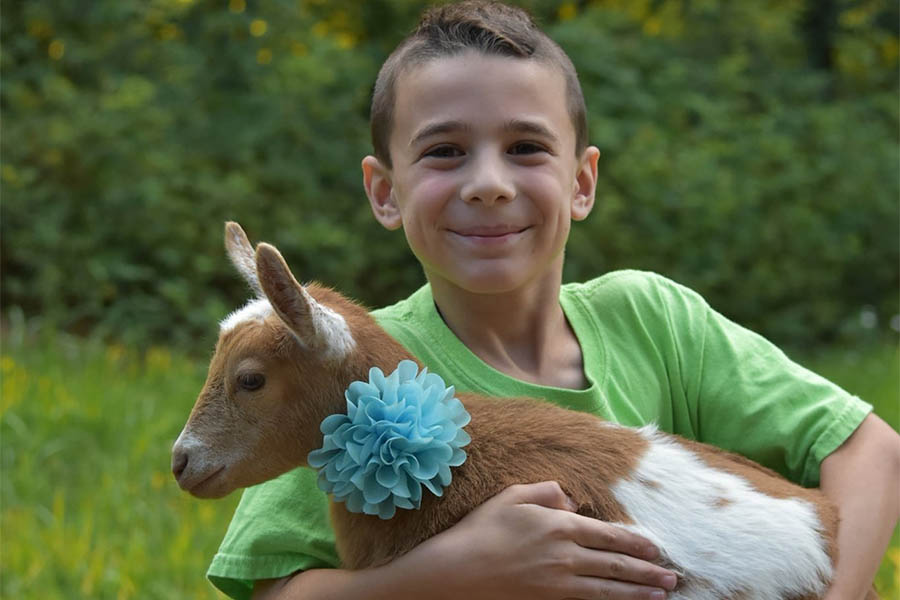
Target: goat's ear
(242,255)
(291,302)
(315,325)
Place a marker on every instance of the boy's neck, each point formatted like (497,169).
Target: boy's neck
(522,333)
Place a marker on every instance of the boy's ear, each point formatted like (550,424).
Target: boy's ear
(585,184)
(379,189)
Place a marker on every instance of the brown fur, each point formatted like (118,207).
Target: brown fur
(514,441)
(579,451)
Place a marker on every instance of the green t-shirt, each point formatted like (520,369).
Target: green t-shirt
(653,351)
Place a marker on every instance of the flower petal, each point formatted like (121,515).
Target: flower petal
(403,503)
(387,477)
(386,510)
(407,370)
(401,432)
(358,389)
(458,458)
(444,475)
(401,488)
(332,422)
(318,458)
(355,502)
(373,491)
(433,487)
(376,378)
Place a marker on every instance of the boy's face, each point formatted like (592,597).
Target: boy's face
(485,180)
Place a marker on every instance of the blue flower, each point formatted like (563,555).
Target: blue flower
(401,432)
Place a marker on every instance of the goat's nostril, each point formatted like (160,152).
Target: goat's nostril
(179,463)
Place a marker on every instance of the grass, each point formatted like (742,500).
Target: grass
(89,509)
(89,506)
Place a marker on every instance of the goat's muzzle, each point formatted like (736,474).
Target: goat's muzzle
(194,470)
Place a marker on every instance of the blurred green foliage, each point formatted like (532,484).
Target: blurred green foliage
(750,151)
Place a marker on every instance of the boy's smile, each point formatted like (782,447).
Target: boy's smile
(485,180)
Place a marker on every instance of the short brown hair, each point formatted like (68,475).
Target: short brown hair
(492,28)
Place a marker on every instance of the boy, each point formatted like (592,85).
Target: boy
(481,156)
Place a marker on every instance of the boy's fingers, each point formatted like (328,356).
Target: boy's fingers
(599,535)
(621,567)
(588,532)
(545,493)
(592,588)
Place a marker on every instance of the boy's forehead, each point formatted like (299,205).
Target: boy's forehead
(462,87)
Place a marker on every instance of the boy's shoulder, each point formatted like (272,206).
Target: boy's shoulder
(635,288)
(406,308)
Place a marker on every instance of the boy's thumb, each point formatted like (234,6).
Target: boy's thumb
(545,493)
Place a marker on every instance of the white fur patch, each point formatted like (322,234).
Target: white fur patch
(767,548)
(334,334)
(256,310)
(333,337)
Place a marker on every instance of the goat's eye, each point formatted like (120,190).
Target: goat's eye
(251,381)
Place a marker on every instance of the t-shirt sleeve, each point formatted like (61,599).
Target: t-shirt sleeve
(747,396)
(279,527)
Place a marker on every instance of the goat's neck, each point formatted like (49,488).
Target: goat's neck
(386,354)
(380,351)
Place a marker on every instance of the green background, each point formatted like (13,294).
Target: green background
(749,150)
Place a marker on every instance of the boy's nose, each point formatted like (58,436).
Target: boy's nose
(488,182)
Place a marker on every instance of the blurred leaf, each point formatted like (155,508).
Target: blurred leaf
(732,161)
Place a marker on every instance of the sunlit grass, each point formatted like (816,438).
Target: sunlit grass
(89,509)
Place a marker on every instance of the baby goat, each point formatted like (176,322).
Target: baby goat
(730,527)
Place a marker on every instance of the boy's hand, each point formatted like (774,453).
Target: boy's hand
(527,542)
(524,543)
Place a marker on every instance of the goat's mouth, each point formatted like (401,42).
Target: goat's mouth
(208,487)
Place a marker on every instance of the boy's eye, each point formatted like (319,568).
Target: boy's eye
(443,152)
(526,148)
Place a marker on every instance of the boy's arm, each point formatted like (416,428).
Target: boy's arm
(524,543)
(862,477)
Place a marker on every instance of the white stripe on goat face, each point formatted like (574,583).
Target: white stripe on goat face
(256,310)
(720,514)
(334,339)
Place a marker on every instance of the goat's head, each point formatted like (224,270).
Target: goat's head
(281,365)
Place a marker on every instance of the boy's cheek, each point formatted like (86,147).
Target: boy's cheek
(432,189)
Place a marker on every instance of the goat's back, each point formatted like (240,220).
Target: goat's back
(712,513)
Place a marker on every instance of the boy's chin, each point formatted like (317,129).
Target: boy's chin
(495,283)
(498,278)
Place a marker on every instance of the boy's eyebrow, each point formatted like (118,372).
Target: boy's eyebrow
(534,127)
(438,128)
(517,125)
